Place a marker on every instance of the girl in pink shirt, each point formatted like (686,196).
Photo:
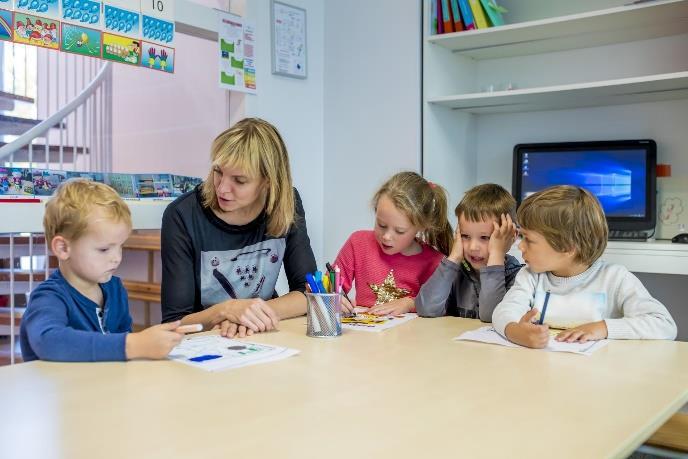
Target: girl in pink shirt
(389,264)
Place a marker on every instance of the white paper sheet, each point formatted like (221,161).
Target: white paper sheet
(489,335)
(214,353)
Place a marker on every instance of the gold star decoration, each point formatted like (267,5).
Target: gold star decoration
(388,290)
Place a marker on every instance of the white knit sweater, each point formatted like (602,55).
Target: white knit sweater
(604,291)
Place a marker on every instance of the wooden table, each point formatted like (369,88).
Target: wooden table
(406,392)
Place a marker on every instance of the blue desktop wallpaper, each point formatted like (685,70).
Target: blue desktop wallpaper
(617,178)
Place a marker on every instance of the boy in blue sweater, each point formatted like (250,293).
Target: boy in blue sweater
(81,313)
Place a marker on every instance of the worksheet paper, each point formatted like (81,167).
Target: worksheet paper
(214,353)
(370,322)
(489,335)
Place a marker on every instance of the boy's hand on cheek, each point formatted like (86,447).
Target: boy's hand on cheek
(526,333)
(456,254)
(592,331)
(501,240)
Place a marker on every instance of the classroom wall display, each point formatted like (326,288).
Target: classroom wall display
(672,206)
(157,57)
(6,22)
(23,182)
(80,40)
(288,40)
(110,29)
(236,46)
(36,31)
(121,49)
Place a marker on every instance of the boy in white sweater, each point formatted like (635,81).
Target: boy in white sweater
(563,234)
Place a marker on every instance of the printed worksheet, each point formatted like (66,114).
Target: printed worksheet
(214,353)
(370,322)
(489,335)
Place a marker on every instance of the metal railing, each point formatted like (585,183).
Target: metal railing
(74,96)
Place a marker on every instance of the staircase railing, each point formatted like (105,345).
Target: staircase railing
(78,136)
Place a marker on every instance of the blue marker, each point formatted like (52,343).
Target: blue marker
(318,280)
(312,284)
(544,308)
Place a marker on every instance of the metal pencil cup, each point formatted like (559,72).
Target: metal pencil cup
(324,315)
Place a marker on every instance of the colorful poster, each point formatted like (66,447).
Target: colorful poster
(5,25)
(85,12)
(182,184)
(95,176)
(157,57)
(122,184)
(32,30)
(45,182)
(121,49)
(80,40)
(46,8)
(235,74)
(154,185)
(15,181)
(122,21)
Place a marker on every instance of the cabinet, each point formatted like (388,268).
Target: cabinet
(619,72)
(583,70)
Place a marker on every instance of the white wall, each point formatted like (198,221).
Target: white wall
(372,100)
(294,106)
(167,122)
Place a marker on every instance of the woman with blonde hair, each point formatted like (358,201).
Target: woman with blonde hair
(223,243)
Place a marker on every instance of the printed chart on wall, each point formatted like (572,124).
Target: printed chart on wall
(236,40)
(288,40)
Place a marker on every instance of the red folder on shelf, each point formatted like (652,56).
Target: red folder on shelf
(456,15)
(447,22)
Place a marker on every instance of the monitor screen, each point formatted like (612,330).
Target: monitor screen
(620,173)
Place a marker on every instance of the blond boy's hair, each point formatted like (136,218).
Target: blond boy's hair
(486,201)
(424,204)
(254,146)
(67,213)
(570,218)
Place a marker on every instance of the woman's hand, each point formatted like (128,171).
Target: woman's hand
(393,308)
(232,330)
(254,314)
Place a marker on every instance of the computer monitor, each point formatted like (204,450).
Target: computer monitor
(622,174)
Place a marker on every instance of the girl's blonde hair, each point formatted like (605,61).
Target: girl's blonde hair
(424,204)
(254,146)
(570,218)
(68,212)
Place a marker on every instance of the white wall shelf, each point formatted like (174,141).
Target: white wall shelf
(596,28)
(27,217)
(656,257)
(668,86)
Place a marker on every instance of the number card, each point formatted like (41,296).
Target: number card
(158,21)
(45,8)
(122,17)
(84,12)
